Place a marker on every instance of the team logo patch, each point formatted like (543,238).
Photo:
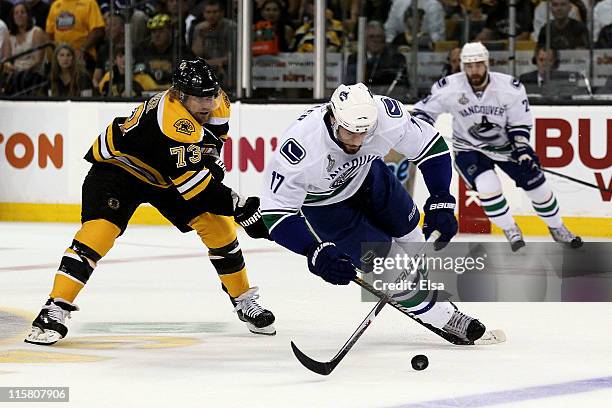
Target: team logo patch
(516,83)
(292,151)
(393,107)
(184,126)
(114,203)
(485,131)
(65,21)
(464,100)
(343,96)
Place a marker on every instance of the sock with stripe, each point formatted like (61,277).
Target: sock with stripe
(493,201)
(545,205)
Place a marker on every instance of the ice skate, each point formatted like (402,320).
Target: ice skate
(49,326)
(563,235)
(257,319)
(464,327)
(515,237)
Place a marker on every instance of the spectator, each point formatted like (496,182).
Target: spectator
(433,20)
(347,11)
(5,48)
(304,35)
(5,10)
(24,35)
(157,56)
(114,31)
(271,34)
(497,23)
(565,32)
(68,78)
(453,62)
(559,82)
(78,23)
(539,17)
(383,64)
(377,10)
(602,13)
(214,39)
(138,21)
(140,81)
(40,11)
(605,37)
(404,41)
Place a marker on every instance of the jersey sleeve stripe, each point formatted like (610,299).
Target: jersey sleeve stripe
(272,220)
(104,151)
(197,188)
(189,182)
(434,145)
(519,132)
(184,177)
(437,149)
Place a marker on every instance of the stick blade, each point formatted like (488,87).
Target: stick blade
(313,365)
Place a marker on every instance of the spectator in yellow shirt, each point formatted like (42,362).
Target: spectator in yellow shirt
(78,23)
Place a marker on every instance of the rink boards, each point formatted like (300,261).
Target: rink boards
(42,145)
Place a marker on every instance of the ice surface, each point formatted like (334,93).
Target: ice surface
(155,330)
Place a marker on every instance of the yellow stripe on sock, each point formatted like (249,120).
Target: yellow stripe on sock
(65,288)
(236,283)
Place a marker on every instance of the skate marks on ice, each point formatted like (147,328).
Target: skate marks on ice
(518,395)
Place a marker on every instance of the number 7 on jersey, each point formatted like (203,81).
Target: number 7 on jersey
(278,179)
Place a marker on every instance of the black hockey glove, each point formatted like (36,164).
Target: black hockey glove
(440,216)
(524,155)
(215,165)
(248,216)
(326,261)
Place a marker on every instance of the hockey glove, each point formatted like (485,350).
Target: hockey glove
(326,261)
(440,216)
(524,155)
(248,216)
(215,165)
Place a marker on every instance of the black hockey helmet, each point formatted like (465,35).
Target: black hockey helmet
(196,77)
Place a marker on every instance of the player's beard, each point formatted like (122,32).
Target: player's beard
(476,81)
(201,117)
(350,149)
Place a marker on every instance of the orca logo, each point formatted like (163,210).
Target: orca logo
(343,96)
(393,107)
(292,151)
(485,130)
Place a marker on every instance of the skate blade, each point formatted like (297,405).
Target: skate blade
(42,337)
(491,337)
(266,331)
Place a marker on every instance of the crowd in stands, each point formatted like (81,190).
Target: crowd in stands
(71,48)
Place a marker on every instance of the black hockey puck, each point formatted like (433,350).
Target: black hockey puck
(419,362)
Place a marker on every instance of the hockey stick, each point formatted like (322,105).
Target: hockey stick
(325,368)
(502,157)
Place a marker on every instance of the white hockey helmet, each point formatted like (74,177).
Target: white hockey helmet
(354,108)
(474,52)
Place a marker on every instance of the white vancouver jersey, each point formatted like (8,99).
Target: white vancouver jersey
(484,119)
(309,168)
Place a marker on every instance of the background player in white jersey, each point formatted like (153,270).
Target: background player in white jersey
(328,172)
(492,121)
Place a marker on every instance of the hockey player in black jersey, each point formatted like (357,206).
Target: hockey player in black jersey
(165,153)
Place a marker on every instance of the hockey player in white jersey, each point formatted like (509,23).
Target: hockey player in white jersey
(328,178)
(491,127)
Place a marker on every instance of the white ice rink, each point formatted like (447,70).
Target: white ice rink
(155,330)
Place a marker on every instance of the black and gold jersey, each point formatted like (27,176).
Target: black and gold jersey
(161,144)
